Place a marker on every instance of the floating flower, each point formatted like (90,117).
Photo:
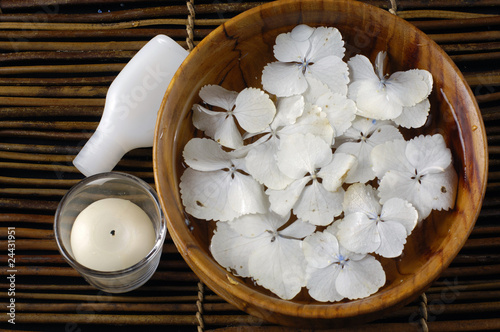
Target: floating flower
(370,227)
(334,273)
(307,159)
(306,52)
(419,171)
(258,246)
(252,108)
(384,97)
(216,185)
(360,139)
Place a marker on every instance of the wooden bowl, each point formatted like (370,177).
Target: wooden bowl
(233,56)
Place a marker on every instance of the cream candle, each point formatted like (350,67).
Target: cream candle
(111,234)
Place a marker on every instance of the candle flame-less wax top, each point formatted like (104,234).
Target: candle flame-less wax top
(111,234)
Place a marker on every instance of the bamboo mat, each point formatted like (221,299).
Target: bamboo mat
(57,60)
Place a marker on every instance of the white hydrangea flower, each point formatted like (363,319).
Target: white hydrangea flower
(334,273)
(252,108)
(256,246)
(215,185)
(383,97)
(306,52)
(419,171)
(306,159)
(359,140)
(370,227)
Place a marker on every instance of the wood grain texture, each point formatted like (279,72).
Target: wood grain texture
(366,30)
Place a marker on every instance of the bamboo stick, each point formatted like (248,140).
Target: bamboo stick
(51,135)
(439,14)
(30,233)
(455,295)
(475,57)
(104,298)
(90,307)
(36,148)
(34,182)
(27,204)
(14,218)
(465,36)
(89,55)
(65,81)
(115,34)
(105,26)
(53,91)
(50,125)
(62,69)
(458,23)
(483,243)
(465,325)
(471,47)
(72,46)
(493,269)
(477,79)
(32,101)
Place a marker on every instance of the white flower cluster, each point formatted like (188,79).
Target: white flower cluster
(309,183)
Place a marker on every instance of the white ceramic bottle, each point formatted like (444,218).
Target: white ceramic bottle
(132,103)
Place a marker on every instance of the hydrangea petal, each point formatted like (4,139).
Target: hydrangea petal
(254,110)
(284,271)
(289,49)
(414,116)
(334,174)
(393,239)
(301,32)
(208,121)
(288,109)
(228,134)
(400,211)
(318,205)
(373,102)
(282,201)
(261,164)
(428,152)
(326,41)
(313,121)
(254,225)
(283,79)
(204,194)
(332,71)
(298,229)
(361,198)
(358,233)
(301,154)
(320,249)
(391,156)
(361,69)
(246,195)
(360,278)
(205,155)
(232,250)
(442,188)
(408,88)
(321,283)
(216,95)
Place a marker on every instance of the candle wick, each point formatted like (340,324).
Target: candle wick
(113,232)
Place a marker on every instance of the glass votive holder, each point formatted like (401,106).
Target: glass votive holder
(99,188)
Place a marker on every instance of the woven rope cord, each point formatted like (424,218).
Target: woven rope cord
(199,305)
(190,24)
(423,313)
(393,7)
